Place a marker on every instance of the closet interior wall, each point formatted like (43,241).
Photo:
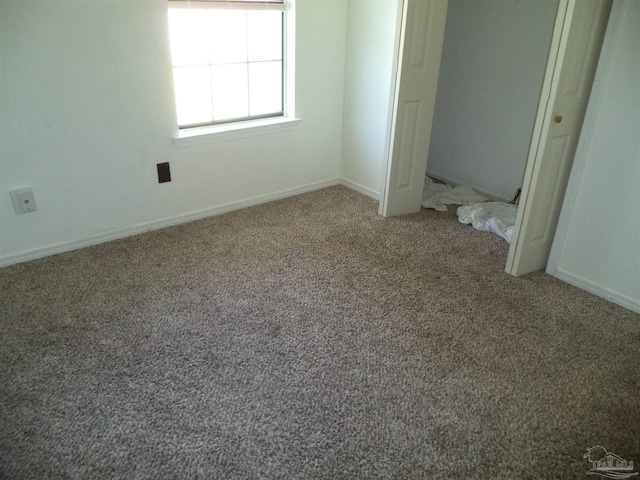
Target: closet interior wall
(493,62)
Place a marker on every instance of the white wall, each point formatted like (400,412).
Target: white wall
(597,245)
(493,63)
(371,35)
(87,111)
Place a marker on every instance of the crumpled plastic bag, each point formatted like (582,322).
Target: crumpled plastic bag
(438,195)
(494,217)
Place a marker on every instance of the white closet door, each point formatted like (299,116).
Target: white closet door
(578,39)
(422,35)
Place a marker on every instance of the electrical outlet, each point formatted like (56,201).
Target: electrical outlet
(164,173)
(23,200)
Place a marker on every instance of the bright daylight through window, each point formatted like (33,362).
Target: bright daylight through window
(228,60)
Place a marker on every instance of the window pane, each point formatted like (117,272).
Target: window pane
(189,36)
(265,88)
(265,35)
(230,91)
(228,36)
(227,64)
(193,95)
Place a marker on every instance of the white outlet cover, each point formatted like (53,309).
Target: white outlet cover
(23,200)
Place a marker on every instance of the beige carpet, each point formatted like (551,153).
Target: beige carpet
(309,338)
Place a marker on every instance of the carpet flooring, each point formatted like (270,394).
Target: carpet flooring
(309,338)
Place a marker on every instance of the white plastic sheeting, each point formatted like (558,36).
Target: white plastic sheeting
(495,217)
(439,195)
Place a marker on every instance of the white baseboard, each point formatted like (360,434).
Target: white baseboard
(360,188)
(63,247)
(629,303)
(455,183)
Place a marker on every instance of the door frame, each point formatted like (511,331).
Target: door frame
(550,82)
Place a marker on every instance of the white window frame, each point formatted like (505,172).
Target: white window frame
(244,128)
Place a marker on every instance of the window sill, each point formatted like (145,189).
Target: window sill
(216,133)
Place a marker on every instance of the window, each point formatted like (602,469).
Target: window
(229,60)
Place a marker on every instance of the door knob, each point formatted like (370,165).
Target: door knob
(558,118)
